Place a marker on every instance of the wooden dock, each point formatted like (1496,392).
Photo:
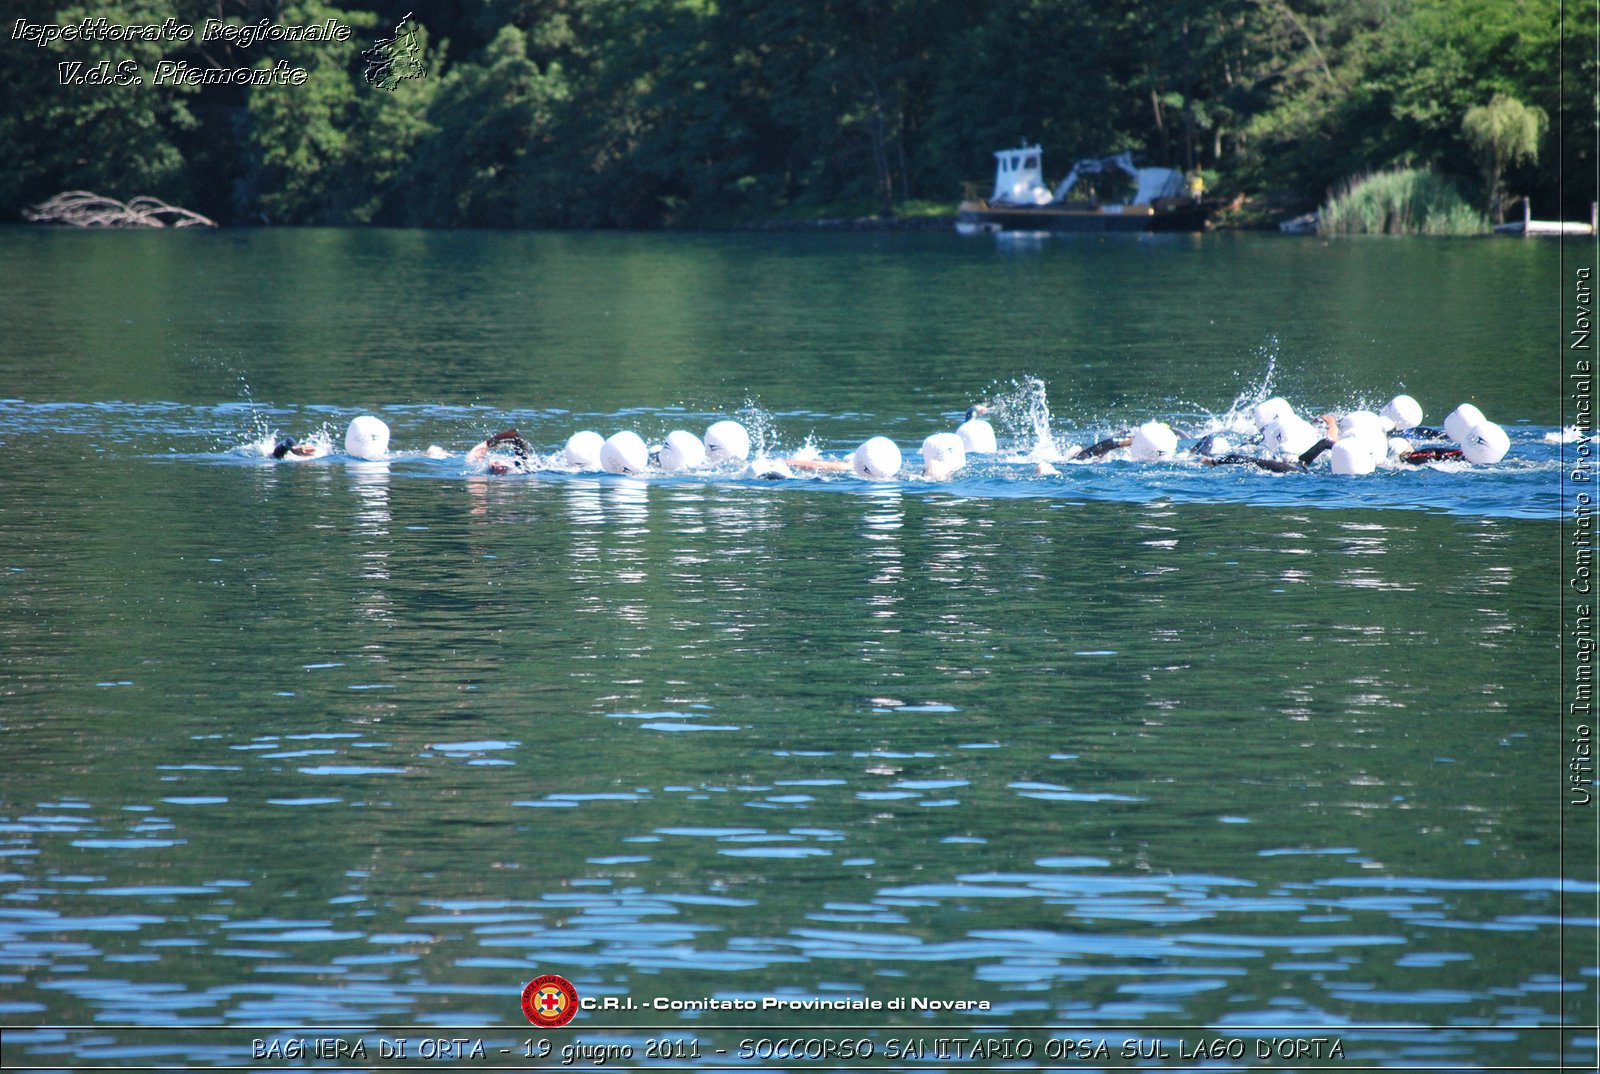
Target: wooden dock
(1530,228)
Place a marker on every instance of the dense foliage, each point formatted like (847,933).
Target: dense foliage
(706,112)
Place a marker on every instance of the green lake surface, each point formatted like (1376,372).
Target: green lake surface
(1143,753)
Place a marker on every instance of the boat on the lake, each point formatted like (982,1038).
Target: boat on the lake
(1098,194)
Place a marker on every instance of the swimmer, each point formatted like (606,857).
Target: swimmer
(877,459)
(295,450)
(521,460)
(1300,464)
(1151,441)
(977,435)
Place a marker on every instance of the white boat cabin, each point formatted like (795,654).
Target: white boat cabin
(1019,177)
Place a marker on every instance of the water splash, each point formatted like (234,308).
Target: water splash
(762,427)
(1023,411)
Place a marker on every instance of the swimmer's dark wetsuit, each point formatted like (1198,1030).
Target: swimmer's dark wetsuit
(1277,466)
(1104,447)
(1417,458)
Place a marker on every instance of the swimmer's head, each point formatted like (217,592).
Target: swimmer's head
(583,450)
(1153,440)
(942,455)
(1461,421)
(727,441)
(977,435)
(1404,411)
(1485,443)
(283,447)
(768,470)
(1353,456)
(1289,436)
(624,453)
(1362,421)
(681,451)
(1216,445)
(976,410)
(876,460)
(367,438)
(1271,410)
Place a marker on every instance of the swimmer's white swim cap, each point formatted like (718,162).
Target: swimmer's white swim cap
(1404,411)
(583,449)
(1400,447)
(1272,410)
(367,438)
(1353,456)
(876,460)
(1485,442)
(768,470)
(1461,421)
(1364,421)
(1219,446)
(1290,436)
(681,451)
(727,441)
(977,435)
(624,453)
(946,450)
(1153,440)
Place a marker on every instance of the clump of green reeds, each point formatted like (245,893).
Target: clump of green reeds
(1405,201)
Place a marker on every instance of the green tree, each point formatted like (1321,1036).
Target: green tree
(330,151)
(119,140)
(1501,133)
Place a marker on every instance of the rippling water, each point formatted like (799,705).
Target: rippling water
(1136,751)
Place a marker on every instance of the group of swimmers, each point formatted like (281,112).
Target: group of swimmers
(1283,442)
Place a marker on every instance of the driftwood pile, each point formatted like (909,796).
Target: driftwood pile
(80,208)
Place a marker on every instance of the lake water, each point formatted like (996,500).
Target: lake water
(1148,754)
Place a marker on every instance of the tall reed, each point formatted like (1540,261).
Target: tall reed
(1406,201)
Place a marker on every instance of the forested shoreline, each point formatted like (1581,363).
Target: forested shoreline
(698,113)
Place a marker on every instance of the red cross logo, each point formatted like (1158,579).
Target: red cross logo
(549,1001)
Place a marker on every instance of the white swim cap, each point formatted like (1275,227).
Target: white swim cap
(876,460)
(768,470)
(583,450)
(1272,410)
(1363,421)
(1218,445)
(1290,436)
(1485,442)
(727,441)
(1404,411)
(367,438)
(681,451)
(977,435)
(1153,440)
(1400,447)
(1461,421)
(624,453)
(1352,457)
(945,450)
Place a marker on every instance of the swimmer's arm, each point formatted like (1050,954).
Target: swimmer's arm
(1104,447)
(1309,456)
(834,466)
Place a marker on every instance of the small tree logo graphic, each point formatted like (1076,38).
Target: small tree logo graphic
(392,60)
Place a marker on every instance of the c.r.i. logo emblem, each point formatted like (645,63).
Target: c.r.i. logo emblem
(549,1001)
